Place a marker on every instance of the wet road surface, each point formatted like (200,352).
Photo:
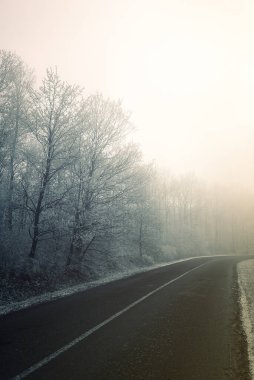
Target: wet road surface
(173,323)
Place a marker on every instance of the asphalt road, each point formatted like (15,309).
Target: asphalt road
(176,322)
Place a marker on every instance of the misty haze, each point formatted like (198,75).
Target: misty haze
(127,189)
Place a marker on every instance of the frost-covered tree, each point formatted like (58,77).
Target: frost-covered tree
(21,84)
(8,62)
(15,80)
(102,174)
(53,121)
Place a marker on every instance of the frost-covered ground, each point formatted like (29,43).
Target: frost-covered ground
(245,271)
(49,296)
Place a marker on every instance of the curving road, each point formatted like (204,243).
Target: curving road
(179,322)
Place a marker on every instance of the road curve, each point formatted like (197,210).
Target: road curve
(173,323)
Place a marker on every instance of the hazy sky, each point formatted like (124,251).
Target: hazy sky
(185,68)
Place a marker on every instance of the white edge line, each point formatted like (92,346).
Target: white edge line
(246,319)
(65,348)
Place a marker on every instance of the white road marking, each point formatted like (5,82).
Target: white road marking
(65,348)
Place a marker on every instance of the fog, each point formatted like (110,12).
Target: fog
(126,145)
(126,136)
(183,68)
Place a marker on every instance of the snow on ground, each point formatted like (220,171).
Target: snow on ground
(245,271)
(50,296)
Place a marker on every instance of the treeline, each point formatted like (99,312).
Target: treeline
(74,187)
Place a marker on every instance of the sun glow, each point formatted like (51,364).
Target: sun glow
(183,68)
(167,83)
(179,67)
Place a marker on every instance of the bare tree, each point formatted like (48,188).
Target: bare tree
(21,83)
(103,172)
(7,66)
(54,112)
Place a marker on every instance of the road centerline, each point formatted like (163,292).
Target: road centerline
(89,332)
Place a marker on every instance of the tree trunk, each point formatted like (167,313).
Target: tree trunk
(75,229)
(39,204)
(9,212)
(87,247)
(36,224)
(11,182)
(140,237)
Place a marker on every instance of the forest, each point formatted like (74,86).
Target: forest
(78,199)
